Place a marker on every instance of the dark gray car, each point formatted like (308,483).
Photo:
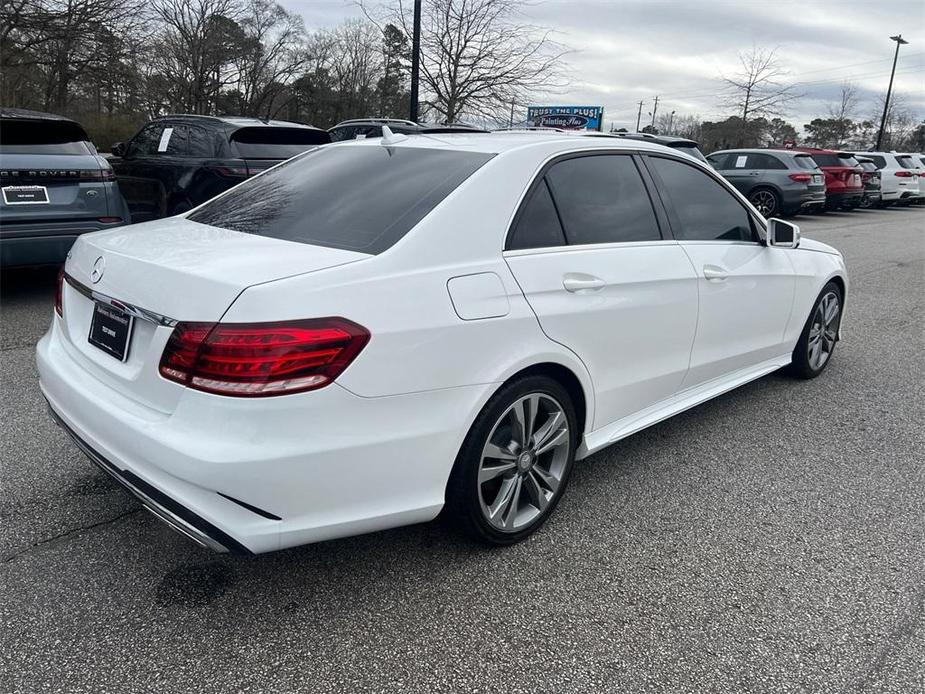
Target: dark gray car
(53,187)
(776,181)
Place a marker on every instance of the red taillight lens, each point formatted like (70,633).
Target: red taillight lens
(904,174)
(59,293)
(801,178)
(260,359)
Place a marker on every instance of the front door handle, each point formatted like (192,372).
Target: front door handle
(580,282)
(715,273)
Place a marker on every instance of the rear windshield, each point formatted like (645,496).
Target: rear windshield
(42,137)
(690,148)
(804,161)
(835,160)
(356,198)
(276,143)
(906,162)
(868,166)
(879,161)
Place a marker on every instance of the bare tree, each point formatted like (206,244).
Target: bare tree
(845,106)
(477,59)
(757,90)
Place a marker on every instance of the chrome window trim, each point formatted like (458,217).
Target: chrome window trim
(134,311)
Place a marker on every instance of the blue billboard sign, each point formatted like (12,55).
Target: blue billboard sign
(568,117)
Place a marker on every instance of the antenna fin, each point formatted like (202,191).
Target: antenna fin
(389,138)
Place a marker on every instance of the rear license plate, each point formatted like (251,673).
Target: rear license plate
(25,195)
(817,178)
(110,330)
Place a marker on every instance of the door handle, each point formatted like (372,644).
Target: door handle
(714,273)
(754,173)
(580,282)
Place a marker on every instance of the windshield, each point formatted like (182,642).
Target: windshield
(42,137)
(357,198)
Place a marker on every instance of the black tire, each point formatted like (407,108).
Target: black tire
(464,494)
(803,364)
(766,201)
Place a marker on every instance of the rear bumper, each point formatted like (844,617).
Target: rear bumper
(840,199)
(258,475)
(43,243)
(802,200)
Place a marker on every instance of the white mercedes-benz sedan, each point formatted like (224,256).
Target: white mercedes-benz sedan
(378,331)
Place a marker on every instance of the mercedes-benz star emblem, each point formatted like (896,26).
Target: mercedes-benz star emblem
(99,267)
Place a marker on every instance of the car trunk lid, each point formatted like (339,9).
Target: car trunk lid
(167,271)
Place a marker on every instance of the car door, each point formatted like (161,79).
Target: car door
(746,288)
(742,171)
(149,171)
(588,251)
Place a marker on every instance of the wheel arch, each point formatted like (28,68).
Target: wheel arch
(565,377)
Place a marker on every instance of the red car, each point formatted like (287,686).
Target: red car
(843,186)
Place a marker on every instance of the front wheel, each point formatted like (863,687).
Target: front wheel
(515,463)
(817,341)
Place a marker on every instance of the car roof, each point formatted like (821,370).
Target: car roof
(26,114)
(661,139)
(235,121)
(499,142)
(373,121)
(761,150)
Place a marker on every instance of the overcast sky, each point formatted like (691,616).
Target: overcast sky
(627,50)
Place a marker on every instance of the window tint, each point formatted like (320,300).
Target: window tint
(42,137)
(719,161)
(804,161)
(359,198)
(276,143)
(764,161)
(201,143)
(689,149)
(602,199)
(835,160)
(868,166)
(145,142)
(879,161)
(704,209)
(174,141)
(538,224)
(906,162)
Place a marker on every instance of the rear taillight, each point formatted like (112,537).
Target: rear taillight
(261,359)
(109,220)
(904,174)
(801,177)
(98,176)
(59,293)
(230,171)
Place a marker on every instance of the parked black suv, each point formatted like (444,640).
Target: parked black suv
(372,127)
(174,163)
(54,186)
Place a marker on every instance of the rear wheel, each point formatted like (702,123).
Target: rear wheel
(766,201)
(817,341)
(515,462)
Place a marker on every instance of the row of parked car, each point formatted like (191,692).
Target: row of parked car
(56,185)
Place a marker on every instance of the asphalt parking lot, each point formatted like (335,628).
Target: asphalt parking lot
(772,540)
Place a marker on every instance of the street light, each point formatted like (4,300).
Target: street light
(415,61)
(886,104)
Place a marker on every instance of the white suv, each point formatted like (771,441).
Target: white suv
(899,177)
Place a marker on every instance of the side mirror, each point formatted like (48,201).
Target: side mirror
(118,149)
(783,234)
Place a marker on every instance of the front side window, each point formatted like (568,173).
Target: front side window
(145,143)
(719,161)
(353,197)
(602,199)
(704,209)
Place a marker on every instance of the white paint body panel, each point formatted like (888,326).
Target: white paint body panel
(449,323)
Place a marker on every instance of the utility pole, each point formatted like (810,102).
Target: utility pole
(654,111)
(415,61)
(886,104)
(639,116)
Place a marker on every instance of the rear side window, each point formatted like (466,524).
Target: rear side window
(538,224)
(764,161)
(42,137)
(602,199)
(906,162)
(879,161)
(354,197)
(703,209)
(276,143)
(804,161)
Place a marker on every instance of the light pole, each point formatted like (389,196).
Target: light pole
(886,104)
(670,123)
(415,61)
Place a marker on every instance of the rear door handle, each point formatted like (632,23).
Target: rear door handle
(715,273)
(580,282)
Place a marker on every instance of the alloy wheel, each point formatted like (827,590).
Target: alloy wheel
(523,462)
(765,202)
(824,331)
